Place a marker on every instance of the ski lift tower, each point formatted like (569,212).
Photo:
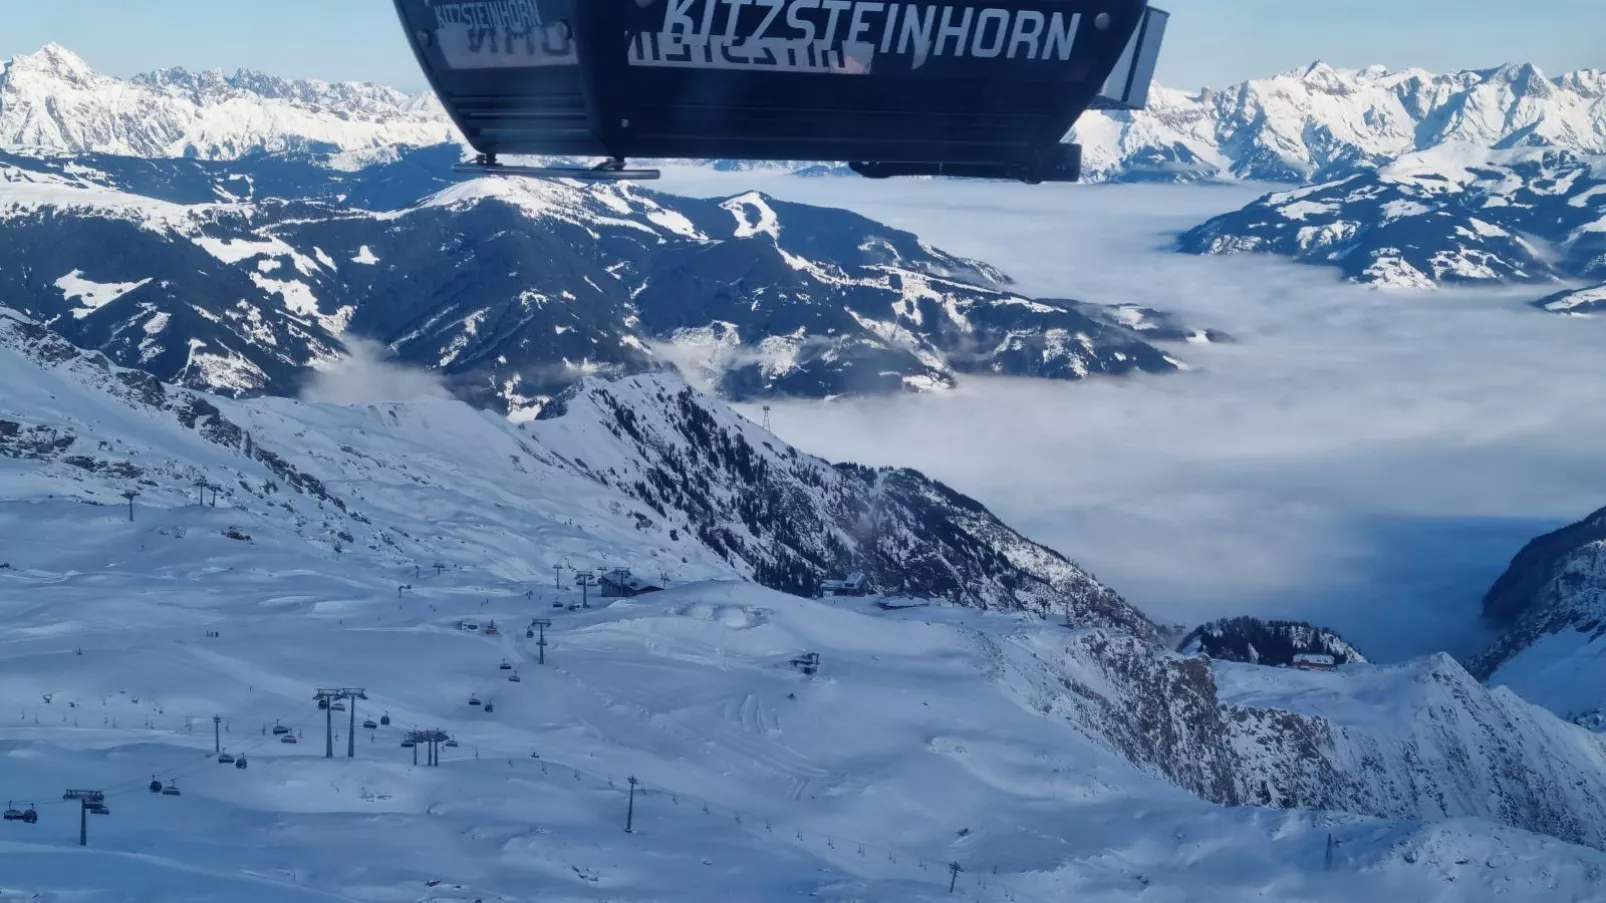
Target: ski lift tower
(130,494)
(541,624)
(89,801)
(434,738)
(585,580)
(326,698)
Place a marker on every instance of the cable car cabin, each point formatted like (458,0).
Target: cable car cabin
(930,87)
(156,786)
(240,763)
(384,720)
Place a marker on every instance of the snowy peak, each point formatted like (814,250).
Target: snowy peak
(1318,122)
(52,100)
(53,61)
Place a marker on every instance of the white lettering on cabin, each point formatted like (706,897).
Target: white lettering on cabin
(841,36)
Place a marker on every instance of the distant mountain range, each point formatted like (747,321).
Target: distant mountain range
(1311,124)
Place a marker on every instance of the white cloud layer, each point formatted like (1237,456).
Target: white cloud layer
(1369,460)
(368,375)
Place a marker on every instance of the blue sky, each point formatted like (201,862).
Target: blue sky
(1213,42)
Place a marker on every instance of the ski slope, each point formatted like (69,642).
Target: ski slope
(997,740)
(906,751)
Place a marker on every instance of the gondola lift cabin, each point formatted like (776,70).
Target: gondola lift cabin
(935,88)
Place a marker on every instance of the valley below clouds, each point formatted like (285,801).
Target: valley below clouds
(1366,459)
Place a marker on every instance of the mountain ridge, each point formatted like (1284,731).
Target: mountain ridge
(1309,124)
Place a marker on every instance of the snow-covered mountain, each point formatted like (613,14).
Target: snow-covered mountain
(52,100)
(322,514)
(1552,603)
(1319,123)
(1457,213)
(676,469)
(1256,641)
(1576,302)
(1311,124)
(240,275)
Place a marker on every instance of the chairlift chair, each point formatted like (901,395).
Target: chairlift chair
(474,700)
(408,744)
(450,743)
(14,814)
(280,730)
(338,707)
(370,724)
(287,738)
(514,677)
(99,809)
(225,759)
(506,666)
(171,789)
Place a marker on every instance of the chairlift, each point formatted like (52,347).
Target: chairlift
(287,738)
(557,604)
(156,786)
(338,707)
(279,730)
(240,763)
(27,816)
(473,700)
(408,744)
(99,809)
(506,666)
(370,724)
(225,759)
(170,790)
(514,677)
(450,743)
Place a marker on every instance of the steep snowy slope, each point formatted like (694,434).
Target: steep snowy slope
(1552,601)
(1460,214)
(789,518)
(53,100)
(1320,123)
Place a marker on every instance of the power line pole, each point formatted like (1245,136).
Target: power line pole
(953,875)
(541,624)
(88,801)
(630,814)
